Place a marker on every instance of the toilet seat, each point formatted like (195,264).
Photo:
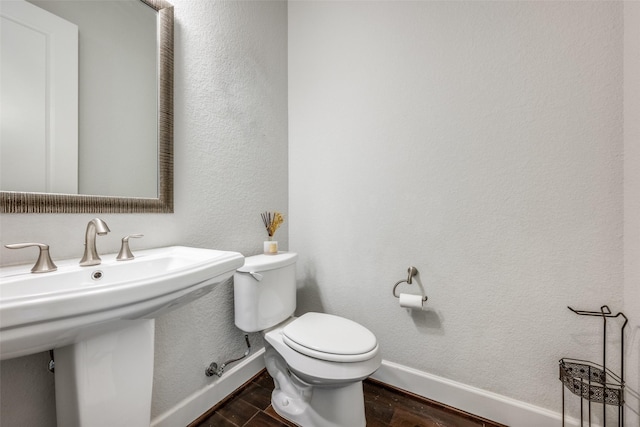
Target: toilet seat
(331,338)
(317,371)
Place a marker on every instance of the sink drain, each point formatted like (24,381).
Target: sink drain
(97,275)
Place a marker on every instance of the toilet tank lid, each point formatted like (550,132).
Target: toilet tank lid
(257,263)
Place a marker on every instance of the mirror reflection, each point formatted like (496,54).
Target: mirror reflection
(109,147)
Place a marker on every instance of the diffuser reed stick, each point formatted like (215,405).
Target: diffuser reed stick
(272,220)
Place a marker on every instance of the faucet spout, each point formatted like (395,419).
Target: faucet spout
(95,227)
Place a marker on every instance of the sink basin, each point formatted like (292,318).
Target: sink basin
(39,312)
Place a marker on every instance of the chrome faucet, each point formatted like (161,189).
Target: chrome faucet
(95,227)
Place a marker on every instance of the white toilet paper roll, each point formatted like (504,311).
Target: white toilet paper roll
(411,301)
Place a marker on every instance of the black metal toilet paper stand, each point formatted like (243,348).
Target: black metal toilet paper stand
(594,382)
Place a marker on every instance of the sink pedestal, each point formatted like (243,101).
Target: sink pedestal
(107,380)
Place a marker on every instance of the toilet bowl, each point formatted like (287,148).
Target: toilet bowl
(317,360)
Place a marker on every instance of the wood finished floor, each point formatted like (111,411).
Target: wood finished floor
(250,406)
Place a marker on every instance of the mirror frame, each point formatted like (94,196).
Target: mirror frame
(24,202)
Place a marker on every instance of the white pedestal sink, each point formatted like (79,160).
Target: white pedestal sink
(100,321)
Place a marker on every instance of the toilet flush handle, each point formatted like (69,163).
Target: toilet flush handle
(253,274)
(256,276)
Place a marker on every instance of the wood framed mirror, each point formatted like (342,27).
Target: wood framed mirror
(52,202)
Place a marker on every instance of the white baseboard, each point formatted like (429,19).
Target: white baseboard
(189,409)
(479,402)
(476,401)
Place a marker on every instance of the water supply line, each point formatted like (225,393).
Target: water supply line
(213,367)
(52,363)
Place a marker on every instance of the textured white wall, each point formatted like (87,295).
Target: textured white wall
(230,165)
(632,207)
(482,143)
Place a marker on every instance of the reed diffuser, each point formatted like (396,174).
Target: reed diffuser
(271,220)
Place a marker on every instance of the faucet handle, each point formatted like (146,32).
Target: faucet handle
(44,263)
(125,253)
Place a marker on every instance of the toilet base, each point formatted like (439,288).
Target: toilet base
(337,405)
(327,407)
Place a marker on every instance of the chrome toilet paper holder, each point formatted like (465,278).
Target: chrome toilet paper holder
(412,271)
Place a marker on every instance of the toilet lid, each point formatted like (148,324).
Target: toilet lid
(329,337)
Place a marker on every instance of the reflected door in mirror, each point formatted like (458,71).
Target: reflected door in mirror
(38,99)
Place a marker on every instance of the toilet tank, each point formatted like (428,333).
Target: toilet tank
(264,291)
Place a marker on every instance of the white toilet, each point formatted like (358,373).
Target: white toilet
(317,361)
